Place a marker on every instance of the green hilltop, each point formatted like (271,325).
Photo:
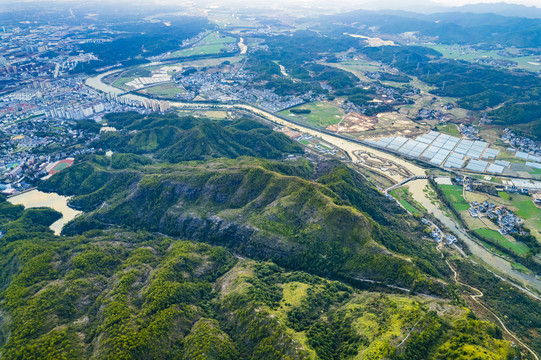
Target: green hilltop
(174,139)
(330,222)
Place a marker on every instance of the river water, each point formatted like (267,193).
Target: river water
(36,198)
(501,265)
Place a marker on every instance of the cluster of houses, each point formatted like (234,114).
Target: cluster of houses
(469,132)
(508,222)
(520,143)
(437,234)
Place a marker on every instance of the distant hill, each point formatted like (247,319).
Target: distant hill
(503,9)
(447,27)
(420,6)
(431,7)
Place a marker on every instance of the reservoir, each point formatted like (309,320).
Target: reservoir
(36,198)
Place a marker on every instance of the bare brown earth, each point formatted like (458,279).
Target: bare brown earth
(289,132)
(394,124)
(354,123)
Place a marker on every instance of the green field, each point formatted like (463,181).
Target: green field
(535,171)
(361,65)
(129,75)
(469,54)
(406,200)
(449,129)
(211,44)
(322,114)
(527,210)
(503,195)
(497,238)
(453,193)
(164,90)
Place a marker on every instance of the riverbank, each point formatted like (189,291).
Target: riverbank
(493,261)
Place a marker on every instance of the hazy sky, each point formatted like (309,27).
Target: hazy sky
(462,2)
(351,3)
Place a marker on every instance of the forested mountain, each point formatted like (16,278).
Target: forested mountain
(233,257)
(134,295)
(173,139)
(447,27)
(326,225)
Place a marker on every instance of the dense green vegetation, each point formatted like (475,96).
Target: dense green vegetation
(133,295)
(481,30)
(526,118)
(522,313)
(122,283)
(329,225)
(174,139)
(297,53)
(301,111)
(141,39)
(475,86)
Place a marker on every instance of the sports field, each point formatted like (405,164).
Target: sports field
(322,114)
(61,166)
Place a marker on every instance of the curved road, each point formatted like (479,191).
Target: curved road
(477,297)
